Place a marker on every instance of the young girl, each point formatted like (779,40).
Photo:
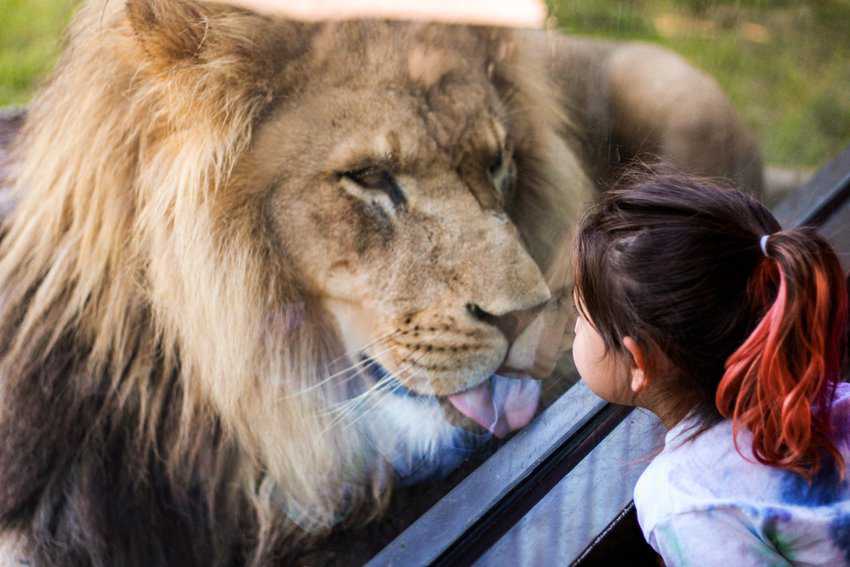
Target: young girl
(696,305)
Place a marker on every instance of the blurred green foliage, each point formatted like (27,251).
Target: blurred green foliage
(785,63)
(30,35)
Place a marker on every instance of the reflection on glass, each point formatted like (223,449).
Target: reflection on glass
(557,530)
(384,210)
(782,65)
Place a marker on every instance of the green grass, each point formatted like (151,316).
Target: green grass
(30,35)
(784,63)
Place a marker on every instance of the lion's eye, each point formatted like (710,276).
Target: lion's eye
(501,172)
(496,165)
(377,179)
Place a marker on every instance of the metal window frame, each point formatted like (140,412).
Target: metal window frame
(468,520)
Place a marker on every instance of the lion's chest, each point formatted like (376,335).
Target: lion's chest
(413,434)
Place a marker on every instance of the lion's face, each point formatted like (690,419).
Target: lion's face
(241,203)
(391,180)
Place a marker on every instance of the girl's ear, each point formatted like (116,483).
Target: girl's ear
(638,377)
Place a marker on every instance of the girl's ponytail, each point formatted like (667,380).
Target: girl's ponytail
(780,383)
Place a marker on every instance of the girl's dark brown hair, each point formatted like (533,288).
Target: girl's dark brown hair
(675,262)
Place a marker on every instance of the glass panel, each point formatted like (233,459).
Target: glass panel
(561,526)
(765,56)
(345,273)
(421,183)
(837,230)
(504,476)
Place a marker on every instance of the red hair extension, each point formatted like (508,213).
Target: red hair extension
(780,383)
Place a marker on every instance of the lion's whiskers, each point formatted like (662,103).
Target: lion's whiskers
(362,397)
(378,390)
(351,354)
(354,369)
(351,407)
(379,399)
(342,406)
(354,402)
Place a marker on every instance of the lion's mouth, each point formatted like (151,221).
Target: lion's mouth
(395,387)
(499,404)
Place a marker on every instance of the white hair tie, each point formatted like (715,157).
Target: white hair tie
(763,244)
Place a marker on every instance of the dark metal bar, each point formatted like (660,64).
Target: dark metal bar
(446,522)
(608,529)
(815,201)
(585,503)
(830,203)
(516,503)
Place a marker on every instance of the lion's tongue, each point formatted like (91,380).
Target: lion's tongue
(500,404)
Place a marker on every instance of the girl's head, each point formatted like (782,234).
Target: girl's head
(678,301)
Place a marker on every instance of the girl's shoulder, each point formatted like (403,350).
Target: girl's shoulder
(692,471)
(709,464)
(704,476)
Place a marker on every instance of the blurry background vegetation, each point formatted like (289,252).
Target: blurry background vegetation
(785,63)
(30,35)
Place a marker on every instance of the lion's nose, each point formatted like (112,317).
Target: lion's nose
(511,323)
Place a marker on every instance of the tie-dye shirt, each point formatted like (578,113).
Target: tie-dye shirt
(700,503)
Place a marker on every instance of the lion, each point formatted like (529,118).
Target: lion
(255,272)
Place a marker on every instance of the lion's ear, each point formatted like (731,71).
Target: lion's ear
(169,31)
(174,32)
(214,49)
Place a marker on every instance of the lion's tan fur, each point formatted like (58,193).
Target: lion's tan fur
(135,234)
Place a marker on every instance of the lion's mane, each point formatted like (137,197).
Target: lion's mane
(159,365)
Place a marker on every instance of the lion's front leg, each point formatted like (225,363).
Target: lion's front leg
(637,100)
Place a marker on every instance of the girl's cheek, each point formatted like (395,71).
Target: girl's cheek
(594,365)
(583,359)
